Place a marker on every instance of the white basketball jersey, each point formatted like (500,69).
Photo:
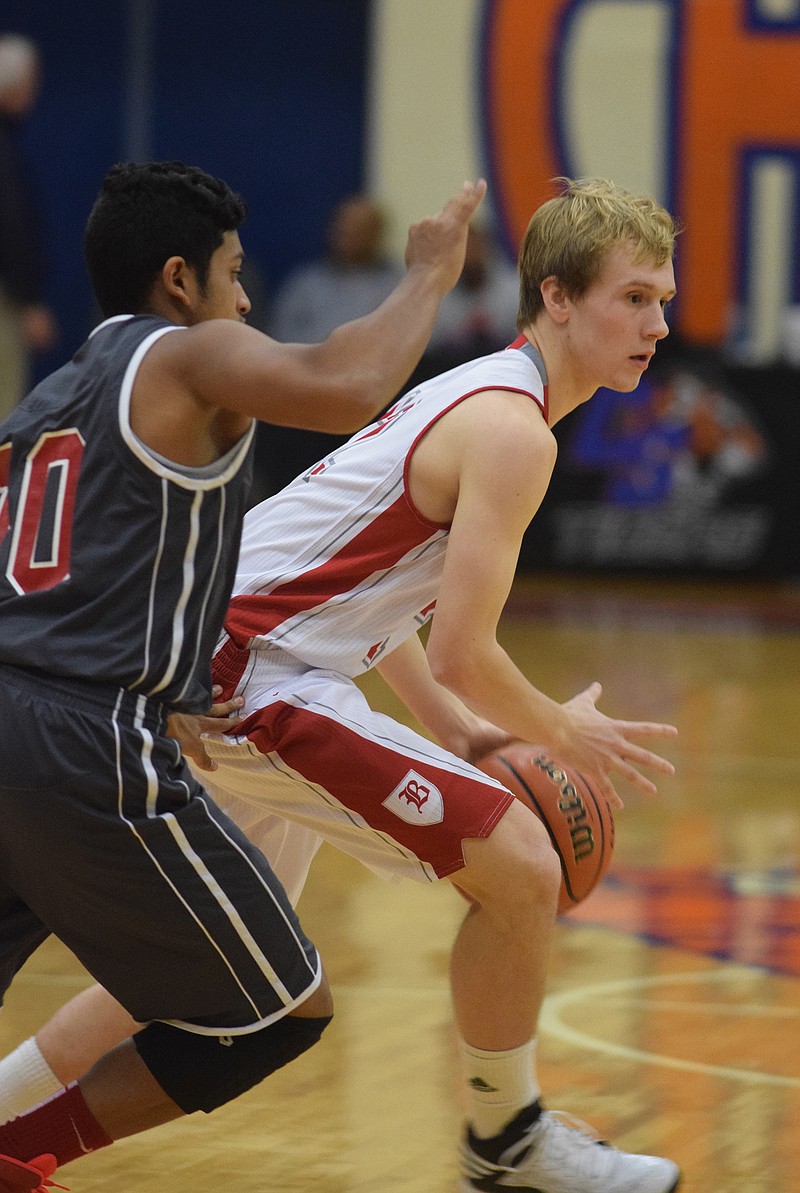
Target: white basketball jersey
(339,567)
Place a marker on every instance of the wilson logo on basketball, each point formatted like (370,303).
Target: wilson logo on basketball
(572,807)
(416,800)
(578,820)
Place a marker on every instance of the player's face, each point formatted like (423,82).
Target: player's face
(615,326)
(224,296)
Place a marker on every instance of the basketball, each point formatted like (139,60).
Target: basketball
(578,819)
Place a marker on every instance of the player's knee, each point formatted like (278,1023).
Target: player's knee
(202,1072)
(515,865)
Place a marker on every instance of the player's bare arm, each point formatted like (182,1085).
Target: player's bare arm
(196,390)
(503,476)
(407,672)
(341,383)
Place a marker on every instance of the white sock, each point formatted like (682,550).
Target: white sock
(25,1080)
(499,1085)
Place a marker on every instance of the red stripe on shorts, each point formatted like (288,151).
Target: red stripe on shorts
(363,775)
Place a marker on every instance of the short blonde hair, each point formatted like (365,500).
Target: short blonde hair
(569,236)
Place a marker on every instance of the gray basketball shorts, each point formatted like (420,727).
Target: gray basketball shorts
(110,843)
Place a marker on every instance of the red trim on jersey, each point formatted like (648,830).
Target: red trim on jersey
(510,389)
(361,774)
(378,547)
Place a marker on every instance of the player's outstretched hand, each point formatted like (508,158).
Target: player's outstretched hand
(189,730)
(440,242)
(603,745)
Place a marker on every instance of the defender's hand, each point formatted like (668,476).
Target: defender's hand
(439,242)
(188,730)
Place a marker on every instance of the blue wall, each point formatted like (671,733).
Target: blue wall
(268,95)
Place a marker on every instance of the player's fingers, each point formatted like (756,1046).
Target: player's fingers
(226,708)
(463,205)
(608,790)
(200,757)
(217,724)
(636,778)
(638,755)
(648,729)
(472,195)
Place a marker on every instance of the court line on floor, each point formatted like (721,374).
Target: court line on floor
(551,1023)
(757,1010)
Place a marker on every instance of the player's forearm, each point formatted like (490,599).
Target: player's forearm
(489,683)
(370,359)
(439,710)
(336,386)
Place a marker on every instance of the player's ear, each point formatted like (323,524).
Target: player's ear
(555,298)
(174,278)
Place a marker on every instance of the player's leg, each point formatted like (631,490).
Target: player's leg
(65,1046)
(81,1031)
(499,964)
(160,1075)
(499,961)
(404,807)
(93,1022)
(169,1072)
(219,951)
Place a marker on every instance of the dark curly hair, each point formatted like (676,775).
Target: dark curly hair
(147,212)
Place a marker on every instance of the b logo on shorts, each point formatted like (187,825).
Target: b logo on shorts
(416,800)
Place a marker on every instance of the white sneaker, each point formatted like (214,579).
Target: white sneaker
(552,1157)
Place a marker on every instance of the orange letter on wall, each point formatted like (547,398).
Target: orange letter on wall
(739,89)
(520,44)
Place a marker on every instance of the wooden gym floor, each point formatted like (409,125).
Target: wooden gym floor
(672,1021)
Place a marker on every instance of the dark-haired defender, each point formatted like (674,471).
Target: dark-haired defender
(123,478)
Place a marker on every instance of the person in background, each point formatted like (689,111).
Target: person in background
(27,325)
(479,314)
(354,276)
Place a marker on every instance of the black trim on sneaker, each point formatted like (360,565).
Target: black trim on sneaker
(493,1147)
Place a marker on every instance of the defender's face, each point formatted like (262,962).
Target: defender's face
(225,297)
(615,326)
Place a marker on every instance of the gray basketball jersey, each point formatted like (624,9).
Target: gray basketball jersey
(115,565)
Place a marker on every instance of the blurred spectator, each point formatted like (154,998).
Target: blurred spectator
(479,315)
(27,325)
(353,278)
